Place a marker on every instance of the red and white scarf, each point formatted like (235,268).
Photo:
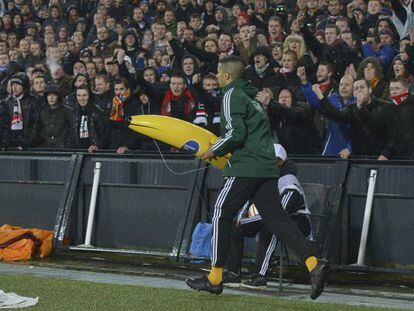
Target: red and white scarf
(17,118)
(399,99)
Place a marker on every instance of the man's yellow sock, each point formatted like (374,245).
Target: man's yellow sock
(311,263)
(216,275)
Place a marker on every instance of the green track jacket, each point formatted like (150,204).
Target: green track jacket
(245,132)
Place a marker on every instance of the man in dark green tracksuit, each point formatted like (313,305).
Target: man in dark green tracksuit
(251,174)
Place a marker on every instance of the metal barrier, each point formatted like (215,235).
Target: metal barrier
(144,208)
(32,187)
(141,207)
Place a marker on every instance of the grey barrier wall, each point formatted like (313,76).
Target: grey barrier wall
(143,207)
(31,188)
(392,225)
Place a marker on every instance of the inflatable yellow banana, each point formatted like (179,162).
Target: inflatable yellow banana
(177,133)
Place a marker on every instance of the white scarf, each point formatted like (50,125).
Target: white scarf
(83,130)
(261,71)
(17,118)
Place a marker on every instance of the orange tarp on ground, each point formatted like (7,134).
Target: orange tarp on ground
(22,244)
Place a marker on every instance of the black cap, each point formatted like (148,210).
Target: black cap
(22,79)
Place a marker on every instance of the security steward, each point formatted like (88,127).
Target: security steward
(250,174)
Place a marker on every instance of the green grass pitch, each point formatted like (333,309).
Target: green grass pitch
(58,294)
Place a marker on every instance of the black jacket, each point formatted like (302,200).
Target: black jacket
(320,120)
(382,90)
(211,102)
(266,80)
(372,126)
(144,142)
(124,73)
(403,134)
(104,102)
(28,136)
(96,128)
(2,126)
(155,90)
(120,135)
(294,127)
(65,86)
(289,81)
(178,50)
(178,109)
(69,60)
(209,60)
(70,102)
(369,21)
(183,14)
(307,62)
(54,130)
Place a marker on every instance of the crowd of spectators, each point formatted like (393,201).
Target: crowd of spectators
(334,75)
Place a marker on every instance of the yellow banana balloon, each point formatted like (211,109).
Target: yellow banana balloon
(177,133)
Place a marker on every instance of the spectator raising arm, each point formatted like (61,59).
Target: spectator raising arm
(345,115)
(399,10)
(306,89)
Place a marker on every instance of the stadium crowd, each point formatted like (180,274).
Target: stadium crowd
(334,75)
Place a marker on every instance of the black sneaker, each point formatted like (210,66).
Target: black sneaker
(256,282)
(318,277)
(203,284)
(231,279)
